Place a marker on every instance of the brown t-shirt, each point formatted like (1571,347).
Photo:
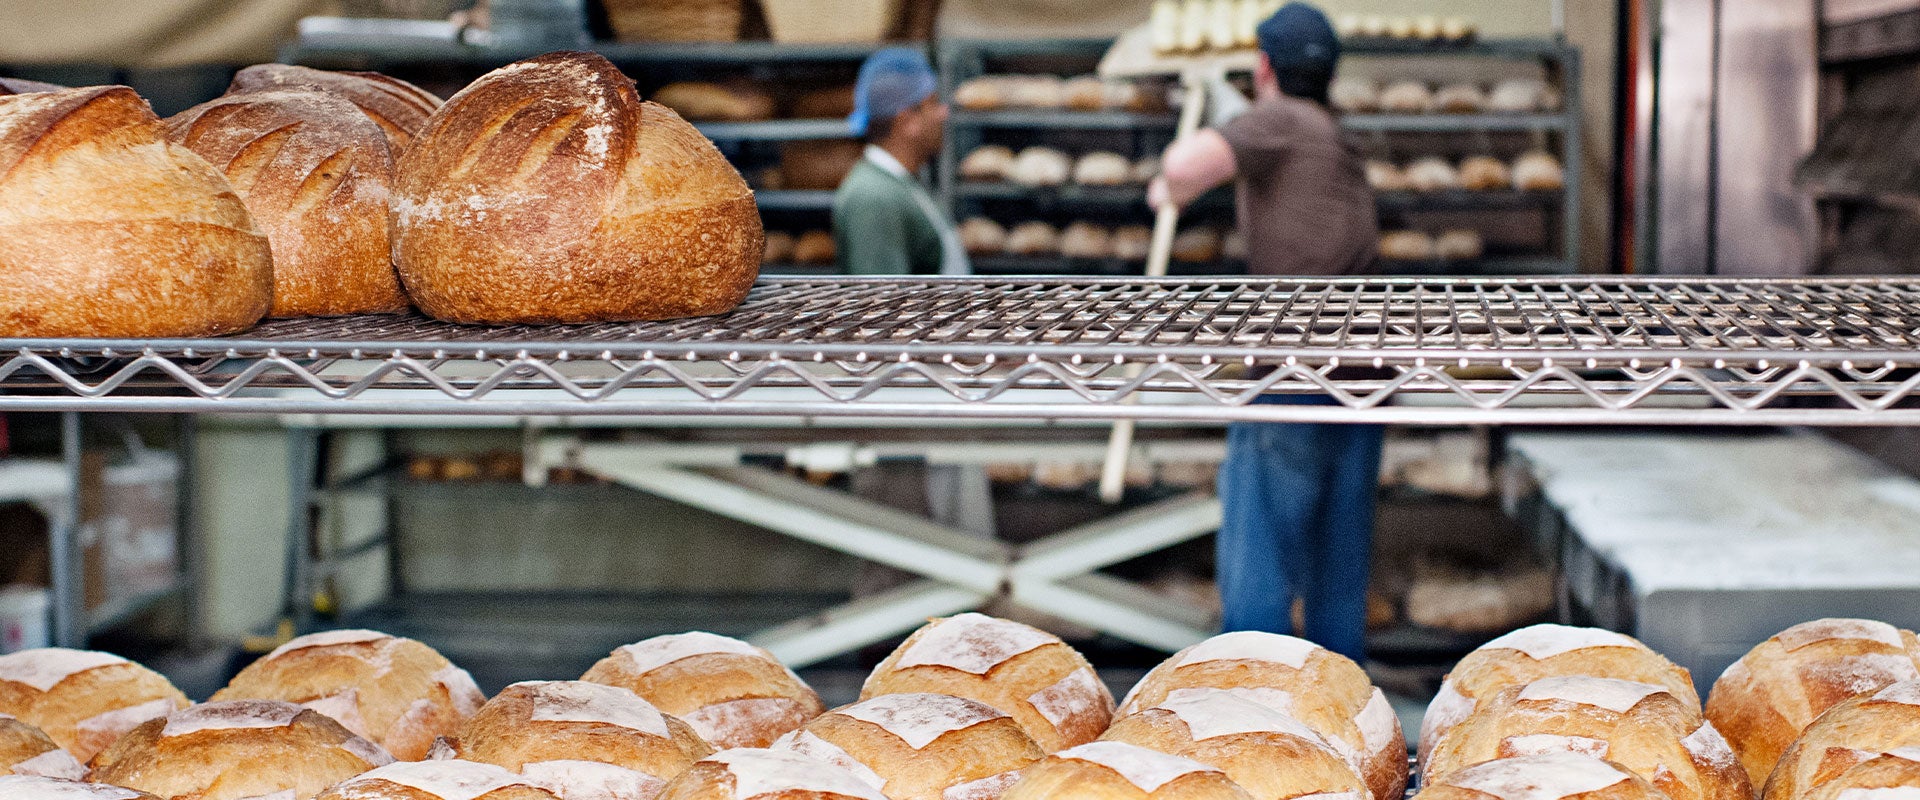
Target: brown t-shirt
(1303,196)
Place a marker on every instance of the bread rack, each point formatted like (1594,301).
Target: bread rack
(1599,350)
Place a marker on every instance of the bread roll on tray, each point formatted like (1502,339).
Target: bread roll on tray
(1270,754)
(1406,246)
(1102,169)
(1767,698)
(81,699)
(920,746)
(1132,242)
(400,108)
(779,248)
(439,780)
(1555,776)
(1848,734)
(316,175)
(571,736)
(987,93)
(1086,240)
(753,774)
(1025,672)
(1033,238)
(732,693)
(1539,172)
(546,191)
(1407,97)
(1120,771)
(109,230)
(1317,686)
(26,750)
(1040,166)
(34,787)
(237,749)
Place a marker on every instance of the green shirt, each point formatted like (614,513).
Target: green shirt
(879,227)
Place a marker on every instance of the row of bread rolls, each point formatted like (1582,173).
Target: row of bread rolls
(747,101)
(1535,171)
(533,195)
(1453,244)
(1198,26)
(1358,95)
(814,248)
(1430,29)
(1203,244)
(1040,166)
(1053,93)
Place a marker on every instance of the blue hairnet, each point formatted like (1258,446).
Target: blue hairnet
(893,80)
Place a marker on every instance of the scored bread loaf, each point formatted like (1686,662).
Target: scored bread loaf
(107,229)
(1639,726)
(237,749)
(571,735)
(1767,698)
(733,694)
(988,162)
(1485,174)
(754,774)
(1554,776)
(23,86)
(1033,238)
(1270,754)
(400,108)
(34,787)
(982,236)
(1890,776)
(26,750)
(1848,734)
(82,699)
(1121,771)
(1086,240)
(1546,651)
(920,746)
(1025,672)
(1040,166)
(546,191)
(393,691)
(315,174)
(438,780)
(1303,680)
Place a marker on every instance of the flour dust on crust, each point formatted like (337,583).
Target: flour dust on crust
(1213,713)
(1544,641)
(1147,770)
(35,787)
(591,780)
(1543,777)
(971,642)
(579,701)
(230,715)
(651,654)
(47,667)
(804,742)
(757,772)
(920,718)
(1250,646)
(1611,694)
(1825,630)
(445,780)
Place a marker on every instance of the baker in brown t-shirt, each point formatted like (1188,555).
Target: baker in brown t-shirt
(1302,189)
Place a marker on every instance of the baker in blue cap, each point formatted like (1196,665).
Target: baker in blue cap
(884,222)
(1297,499)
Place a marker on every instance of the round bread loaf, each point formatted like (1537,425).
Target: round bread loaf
(34,787)
(1849,733)
(315,174)
(1303,680)
(1120,771)
(107,229)
(1432,175)
(779,248)
(1407,97)
(1102,169)
(1767,698)
(1025,672)
(237,749)
(1406,246)
(82,699)
(1539,171)
(1639,726)
(754,774)
(1355,95)
(1554,776)
(1460,98)
(732,693)
(816,248)
(1546,651)
(982,236)
(438,780)
(1270,754)
(546,191)
(1034,91)
(1890,776)
(26,750)
(1033,238)
(572,736)
(400,108)
(986,93)
(1086,240)
(920,746)
(1040,166)
(396,692)
(1132,242)
(988,162)
(1485,174)
(23,86)
(1520,95)
(1459,244)
(1084,93)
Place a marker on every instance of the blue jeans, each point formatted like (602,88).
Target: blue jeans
(1298,521)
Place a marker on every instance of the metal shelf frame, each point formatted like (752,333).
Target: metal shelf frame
(1433,351)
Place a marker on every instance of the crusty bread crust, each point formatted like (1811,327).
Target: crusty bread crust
(88,709)
(107,229)
(300,749)
(1848,734)
(546,191)
(400,108)
(316,174)
(508,732)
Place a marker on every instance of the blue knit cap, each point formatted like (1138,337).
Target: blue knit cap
(893,80)
(1303,48)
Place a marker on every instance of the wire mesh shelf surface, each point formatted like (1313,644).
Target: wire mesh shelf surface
(1826,351)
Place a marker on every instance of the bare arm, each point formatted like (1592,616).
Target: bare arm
(1192,167)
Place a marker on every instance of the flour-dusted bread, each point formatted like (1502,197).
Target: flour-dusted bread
(1546,651)
(109,230)
(82,699)
(1303,680)
(1639,726)
(1460,98)
(400,108)
(26,750)
(986,163)
(1355,95)
(23,86)
(440,780)
(237,749)
(1849,733)
(1767,698)
(316,175)
(1270,754)
(755,774)
(732,693)
(1120,771)
(1086,240)
(920,746)
(394,691)
(1539,171)
(1040,166)
(983,237)
(1025,672)
(34,787)
(572,736)
(1890,776)
(1522,95)
(1432,174)
(986,93)
(1406,246)
(1407,97)
(546,191)
(1102,169)
(1459,244)
(1033,238)
(1555,776)
(1386,176)
(1485,174)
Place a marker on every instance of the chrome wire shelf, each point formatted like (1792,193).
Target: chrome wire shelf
(1433,350)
